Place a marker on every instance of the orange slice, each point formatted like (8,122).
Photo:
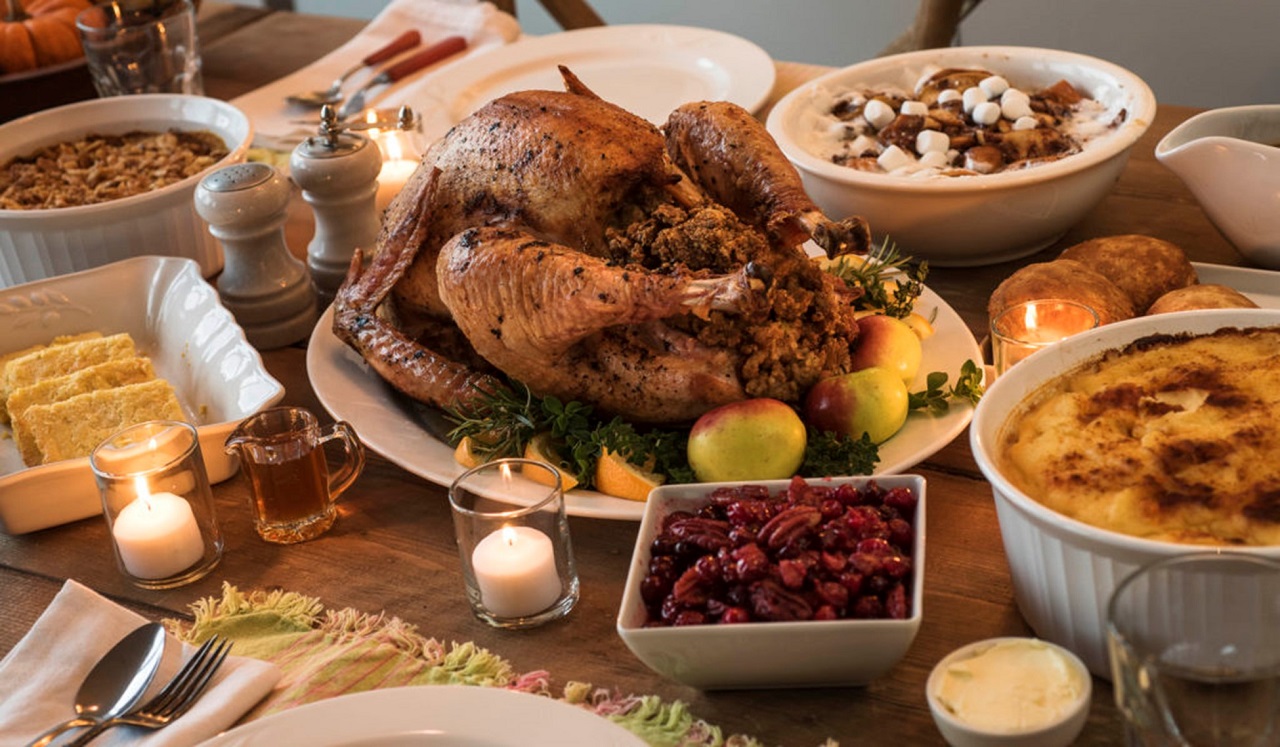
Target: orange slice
(467,454)
(617,477)
(544,448)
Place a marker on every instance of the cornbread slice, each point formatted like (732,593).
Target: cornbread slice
(73,427)
(6,357)
(48,391)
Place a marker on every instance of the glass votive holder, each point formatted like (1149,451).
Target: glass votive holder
(1025,328)
(158,503)
(513,540)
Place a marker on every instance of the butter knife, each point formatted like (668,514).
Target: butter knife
(442,49)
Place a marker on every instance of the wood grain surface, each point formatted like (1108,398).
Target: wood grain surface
(392,548)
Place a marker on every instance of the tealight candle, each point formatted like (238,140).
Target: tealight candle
(157,535)
(515,569)
(158,504)
(399,160)
(513,541)
(1021,330)
(391,179)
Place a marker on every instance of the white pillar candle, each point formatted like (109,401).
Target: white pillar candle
(157,536)
(515,569)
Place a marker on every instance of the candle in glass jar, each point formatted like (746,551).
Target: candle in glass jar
(391,179)
(515,570)
(1027,327)
(157,535)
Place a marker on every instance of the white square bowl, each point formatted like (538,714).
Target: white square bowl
(177,320)
(808,653)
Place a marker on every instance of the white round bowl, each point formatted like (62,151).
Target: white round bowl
(1230,160)
(960,733)
(1064,570)
(972,220)
(37,244)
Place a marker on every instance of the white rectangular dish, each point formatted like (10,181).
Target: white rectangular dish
(177,320)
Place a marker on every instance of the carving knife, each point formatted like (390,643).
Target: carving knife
(442,49)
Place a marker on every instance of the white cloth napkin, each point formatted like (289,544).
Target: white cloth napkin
(39,677)
(483,25)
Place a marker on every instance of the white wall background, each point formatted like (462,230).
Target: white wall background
(1207,53)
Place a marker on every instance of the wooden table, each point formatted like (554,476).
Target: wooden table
(393,548)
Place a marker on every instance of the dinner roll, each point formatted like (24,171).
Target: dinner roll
(1064,279)
(1144,267)
(1206,296)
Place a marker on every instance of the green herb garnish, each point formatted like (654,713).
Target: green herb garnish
(937,396)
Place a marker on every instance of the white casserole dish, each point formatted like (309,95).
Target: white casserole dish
(1064,570)
(37,244)
(177,320)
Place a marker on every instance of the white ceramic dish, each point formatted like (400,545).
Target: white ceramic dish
(1064,570)
(36,244)
(648,70)
(808,653)
(1261,286)
(970,220)
(1230,160)
(432,715)
(960,733)
(351,392)
(176,319)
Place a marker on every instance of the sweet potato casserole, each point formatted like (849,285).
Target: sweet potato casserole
(1173,438)
(100,168)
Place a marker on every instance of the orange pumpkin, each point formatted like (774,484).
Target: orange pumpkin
(39,33)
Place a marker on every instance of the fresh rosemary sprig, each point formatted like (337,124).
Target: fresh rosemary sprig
(872,275)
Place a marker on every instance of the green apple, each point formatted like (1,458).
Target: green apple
(871,401)
(752,439)
(887,342)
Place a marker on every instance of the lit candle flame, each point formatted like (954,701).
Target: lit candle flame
(143,490)
(509,536)
(1029,320)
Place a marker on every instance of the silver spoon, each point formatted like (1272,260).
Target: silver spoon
(116,682)
(333,94)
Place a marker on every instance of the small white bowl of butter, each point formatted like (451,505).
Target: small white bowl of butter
(1010,692)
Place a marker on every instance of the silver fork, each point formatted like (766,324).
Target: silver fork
(175,699)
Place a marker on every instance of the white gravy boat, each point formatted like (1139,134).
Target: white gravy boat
(1230,160)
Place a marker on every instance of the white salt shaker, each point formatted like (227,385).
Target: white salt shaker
(264,286)
(338,174)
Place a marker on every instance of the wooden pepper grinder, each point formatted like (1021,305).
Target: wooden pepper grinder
(338,173)
(264,286)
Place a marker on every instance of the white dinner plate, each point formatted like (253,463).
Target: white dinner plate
(649,70)
(1261,286)
(455,715)
(350,391)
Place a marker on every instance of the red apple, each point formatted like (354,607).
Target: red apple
(871,401)
(887,342)
(753,439)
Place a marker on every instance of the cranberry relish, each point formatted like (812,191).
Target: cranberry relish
(811,552)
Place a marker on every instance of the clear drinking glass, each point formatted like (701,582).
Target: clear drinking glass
(158,504)
(517,559)
(1195,651)
(142,47)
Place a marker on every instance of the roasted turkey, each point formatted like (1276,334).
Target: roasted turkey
(558,240)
